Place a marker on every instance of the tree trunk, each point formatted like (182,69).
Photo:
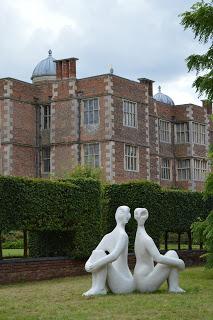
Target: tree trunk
(190,240)
(25,244)
(166,240)
(179,237)
(201,245)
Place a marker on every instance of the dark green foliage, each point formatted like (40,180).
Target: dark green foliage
(70,217)
(18,244)
(200,20)
(50,243)
(203,229)
(135,194)
(10,198)
(85,172)
(44,205)
(181,208)
(169,210)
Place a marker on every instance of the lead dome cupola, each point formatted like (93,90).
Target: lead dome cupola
(45,69)
(161,97)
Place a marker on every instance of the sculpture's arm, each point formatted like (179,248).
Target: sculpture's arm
(112,256)
(158,257)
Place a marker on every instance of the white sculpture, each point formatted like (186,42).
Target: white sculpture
(148,277)
(108,262)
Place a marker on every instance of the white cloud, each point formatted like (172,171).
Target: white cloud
(140,38)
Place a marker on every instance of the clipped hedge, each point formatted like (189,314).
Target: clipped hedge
(70,217)
(134,194)
(179,209)
(169,210)
(39,205)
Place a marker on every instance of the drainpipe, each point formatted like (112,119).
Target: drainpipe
(38,140)
(79,99)
(173,151)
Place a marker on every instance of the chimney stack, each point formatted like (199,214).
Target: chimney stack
(208,105)
(148,83)
(66,68)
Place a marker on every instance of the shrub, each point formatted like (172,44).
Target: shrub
(134,194)
(169,210)
(47,206)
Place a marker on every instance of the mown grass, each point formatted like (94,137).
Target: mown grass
(62,299)
(174,246)
(13,253)
(7,253)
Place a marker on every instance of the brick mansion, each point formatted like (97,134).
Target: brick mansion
(58,121)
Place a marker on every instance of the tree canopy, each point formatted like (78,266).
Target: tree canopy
(200,20)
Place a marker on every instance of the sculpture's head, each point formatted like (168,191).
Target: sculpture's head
(122,215)
(141,215)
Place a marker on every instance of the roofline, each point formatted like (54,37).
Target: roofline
(109,74)
(43,75)
(65,59)
(188,104)
(9,78)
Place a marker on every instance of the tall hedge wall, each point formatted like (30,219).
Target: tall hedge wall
(39,205)
(134,194)
(70,217)
(169,210)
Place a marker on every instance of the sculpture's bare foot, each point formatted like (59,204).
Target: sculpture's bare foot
(176,290)
(94,292)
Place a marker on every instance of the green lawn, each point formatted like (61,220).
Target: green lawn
(61,299)
(20,252)
(184,246)
(13,253)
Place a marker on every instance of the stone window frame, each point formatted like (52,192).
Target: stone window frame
(200,171)
(183,169)
(45,116)
(164,131)
(166,169)
(130,115)
(199,133)
(46,159)
(94,113)
(90,158)
(131,160)
(182,135)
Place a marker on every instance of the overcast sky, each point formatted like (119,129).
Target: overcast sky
(140,38)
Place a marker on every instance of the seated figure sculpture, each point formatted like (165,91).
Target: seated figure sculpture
(148,277)
(108,262)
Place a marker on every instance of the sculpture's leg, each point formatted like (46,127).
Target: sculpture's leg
(173,279)
(98,277)
(156,278)
(119,282)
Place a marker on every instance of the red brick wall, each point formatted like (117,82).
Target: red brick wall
(24,123)
(23,161)
(92,86)
(64,125)
(64,159)
(39,269)
(43,90)
(23,90)
(131,90)
(124,133)
(96,132)
(120,174)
